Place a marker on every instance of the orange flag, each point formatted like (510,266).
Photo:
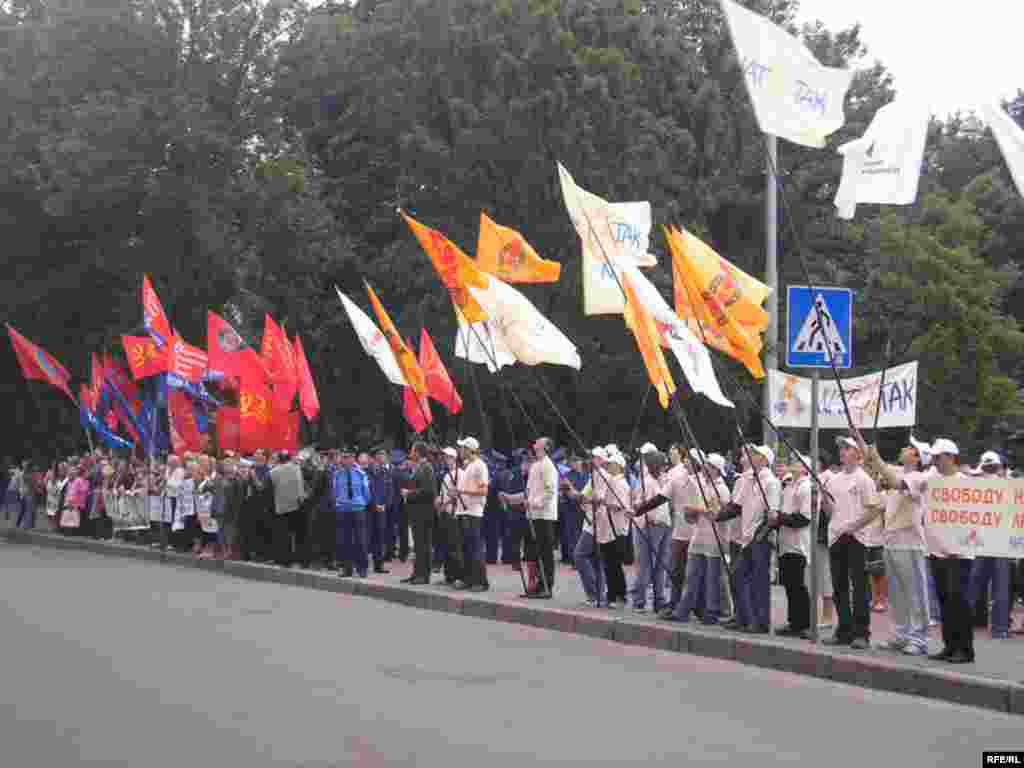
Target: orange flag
(449,262)
(504,253)
(711,292)
(645,329)
(439,383)
(403,355)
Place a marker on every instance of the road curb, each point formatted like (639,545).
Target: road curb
(865,672)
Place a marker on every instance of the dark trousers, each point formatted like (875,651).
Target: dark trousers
(680,551)
(798,599)
(952,575)
(753,585)
(442,549)
(512,543)
(422,525)
(474,571)
(350,544)
(569,528)
(26,513)
(540,548)
(377,521)
(493,528)
(404,526)
(289,528)
(394,511)
(846,557)
(615,577)
(454,565)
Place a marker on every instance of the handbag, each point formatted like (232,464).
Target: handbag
(70,518)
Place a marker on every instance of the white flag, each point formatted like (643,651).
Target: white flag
(622,230)
(693,356)
(794,96)
(1010,138)
(884,165)
(373,341)
(481,344)
(517,325)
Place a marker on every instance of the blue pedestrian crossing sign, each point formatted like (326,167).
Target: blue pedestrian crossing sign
(813,334)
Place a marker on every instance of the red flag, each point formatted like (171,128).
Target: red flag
(38,365)
(223,345)
(227,428)
(87,398)
(439,383)
(122,381)
(309,401)
(111,419)
(276,352)
(181,418)
(153,315)
(418,416)
(186,361)
(284,431)
(254,400)
(96,379)
(143,356)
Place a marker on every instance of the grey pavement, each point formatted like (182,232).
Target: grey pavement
(113,661)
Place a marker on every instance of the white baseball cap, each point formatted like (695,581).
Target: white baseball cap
(697,455)
(451,452)
(648,448)
(945,445)
(618,458)
(469,442)
(990,459)
(847,442)
(765,451)
(611,448)
(717,461)
(923,450)
(599,453)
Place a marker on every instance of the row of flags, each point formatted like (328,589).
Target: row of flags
(166,374)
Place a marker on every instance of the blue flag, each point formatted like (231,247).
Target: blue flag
(103,435)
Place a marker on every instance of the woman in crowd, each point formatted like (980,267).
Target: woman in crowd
(56,483)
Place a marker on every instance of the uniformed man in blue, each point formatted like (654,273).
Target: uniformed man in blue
(382,491)
(351,492)
(514,482)
(494,518)
(570,520)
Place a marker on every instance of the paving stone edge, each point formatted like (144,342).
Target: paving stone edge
(867,672)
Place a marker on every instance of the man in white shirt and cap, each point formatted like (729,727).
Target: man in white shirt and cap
(542,516)
(472,485)
(992,573)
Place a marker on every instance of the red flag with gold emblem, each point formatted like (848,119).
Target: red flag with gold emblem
(255,407)
(144,358)
(279,360)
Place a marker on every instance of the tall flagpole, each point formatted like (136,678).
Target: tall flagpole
(771,273)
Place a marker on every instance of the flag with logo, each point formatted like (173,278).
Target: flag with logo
(309,400)
(504,253)
(227,419)
(722,298)
(481,343)
(153,316)
(884,165)
(223,347)
(39,365)
(439,383)
(279,360)
(794,96)
(617,232)
(648,339)
(406,360)
(372,340)
(1010,138)
(255,405)
(144,358)
(448,260)
(185,435)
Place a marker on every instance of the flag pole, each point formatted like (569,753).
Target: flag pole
(771,271)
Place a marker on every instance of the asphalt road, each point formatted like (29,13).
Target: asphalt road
(114,662)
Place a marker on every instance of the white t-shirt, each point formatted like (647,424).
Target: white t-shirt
(753,503)
(647,489)
(702,541)
(475,477)
(681,490)
(542,491)
(796,500)
(907,538)
(853,492)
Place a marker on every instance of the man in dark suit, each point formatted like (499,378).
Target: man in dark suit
(419,495)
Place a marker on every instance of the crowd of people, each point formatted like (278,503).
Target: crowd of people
(705,532)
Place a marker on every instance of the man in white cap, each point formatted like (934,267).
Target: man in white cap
(594,533)
(652,532)
(472,494)
(541,516)
(447,506)
(992,572)
(760,497)
(793,523)
(951,572)
(853,494)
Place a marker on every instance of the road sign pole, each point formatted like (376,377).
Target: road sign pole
(771,274)
(815,511)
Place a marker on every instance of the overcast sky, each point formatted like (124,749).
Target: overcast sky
(954,54)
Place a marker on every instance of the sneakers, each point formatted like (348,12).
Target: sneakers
(915,650)
(639,609)
(893,645)
(835,640)
(860,644)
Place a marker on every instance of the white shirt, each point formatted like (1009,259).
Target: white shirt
(703,541)
(853,492)
(796,500)
(542,491)
(682,492)
(475,477)
(910,537)
(647,489)
(753,504)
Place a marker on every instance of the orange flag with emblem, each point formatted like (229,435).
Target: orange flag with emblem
(645,330)
(406,360)
(504,253)
(445,256)
(715,294)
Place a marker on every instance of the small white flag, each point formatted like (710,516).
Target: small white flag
(794,96)
(373,341)
(1010,138)
(481,344)
(884,165)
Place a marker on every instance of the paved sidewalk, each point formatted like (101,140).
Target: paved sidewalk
(995,681)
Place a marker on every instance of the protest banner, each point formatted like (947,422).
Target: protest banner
(791,399)
(976,516)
